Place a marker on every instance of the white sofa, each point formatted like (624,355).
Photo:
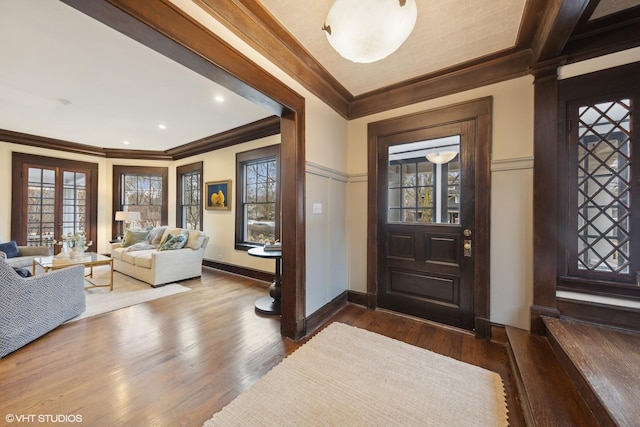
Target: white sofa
(147,261)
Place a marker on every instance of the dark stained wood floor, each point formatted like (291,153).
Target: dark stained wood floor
(177,360)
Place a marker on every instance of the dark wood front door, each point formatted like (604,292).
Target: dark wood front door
(424,207)
(426,223)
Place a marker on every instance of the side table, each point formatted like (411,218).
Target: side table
(269,304)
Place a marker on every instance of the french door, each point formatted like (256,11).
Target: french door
(52,198)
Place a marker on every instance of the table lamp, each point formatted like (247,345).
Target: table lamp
(125,217)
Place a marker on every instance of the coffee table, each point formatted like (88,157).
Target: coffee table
(89,260)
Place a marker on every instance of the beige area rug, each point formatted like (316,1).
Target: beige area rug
(127,291)
(346,376)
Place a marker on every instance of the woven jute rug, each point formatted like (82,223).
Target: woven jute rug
(345,376)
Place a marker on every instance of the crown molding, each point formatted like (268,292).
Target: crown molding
(259,129)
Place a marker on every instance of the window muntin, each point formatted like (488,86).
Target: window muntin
(422,190)
(41,201)
(141,189)
(259,201)
(603,190)
(257,196)
(143,193)
(74,202)
(601,243)
(189,209)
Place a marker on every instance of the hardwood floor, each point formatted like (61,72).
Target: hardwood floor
(176,361)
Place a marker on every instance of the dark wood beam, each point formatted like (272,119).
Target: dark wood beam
(250,21)
(164,27)
(601,42)
(531,18)
(481,73)
(559,20)
(256,130)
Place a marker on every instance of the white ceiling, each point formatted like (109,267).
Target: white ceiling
(66,76)
(447,32)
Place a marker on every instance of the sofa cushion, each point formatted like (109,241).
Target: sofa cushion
(144,259)
(10,249)
(175,241)
(131,237)
(117,253)
(195,240)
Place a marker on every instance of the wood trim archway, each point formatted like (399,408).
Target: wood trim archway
(165,28)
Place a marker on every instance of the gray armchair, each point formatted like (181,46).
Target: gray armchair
(31,307)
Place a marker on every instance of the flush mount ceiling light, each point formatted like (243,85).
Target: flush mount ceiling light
(368,31)
(441,157)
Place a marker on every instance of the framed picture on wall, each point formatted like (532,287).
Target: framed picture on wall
(217,195)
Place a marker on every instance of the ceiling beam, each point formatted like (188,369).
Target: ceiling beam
(482,73)
(559,19)
(250,21)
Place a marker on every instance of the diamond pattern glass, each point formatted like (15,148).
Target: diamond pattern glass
(604,178)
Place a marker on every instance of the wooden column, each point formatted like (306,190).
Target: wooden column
(545,196)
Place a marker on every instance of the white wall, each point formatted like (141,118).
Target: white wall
(511,195)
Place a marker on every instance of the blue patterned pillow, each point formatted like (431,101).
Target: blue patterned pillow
(11,249)
(175,242)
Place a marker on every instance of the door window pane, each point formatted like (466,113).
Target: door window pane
(41,198)
(424,181)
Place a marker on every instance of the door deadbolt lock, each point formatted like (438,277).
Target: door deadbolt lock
(467,248)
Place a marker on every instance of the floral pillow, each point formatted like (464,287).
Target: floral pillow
(176,241)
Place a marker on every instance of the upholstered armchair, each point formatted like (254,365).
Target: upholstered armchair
(31,307)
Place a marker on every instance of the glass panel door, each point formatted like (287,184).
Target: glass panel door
(41,198)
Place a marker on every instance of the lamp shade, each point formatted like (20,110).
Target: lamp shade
(368,31)
(127,216)
(441,157)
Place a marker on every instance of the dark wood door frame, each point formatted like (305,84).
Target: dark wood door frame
(19,217)
(481,112)
(163,27)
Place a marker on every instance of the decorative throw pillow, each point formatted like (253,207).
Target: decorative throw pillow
(10,248)
(195,240)
(174,241)
(131,237)
(155,235)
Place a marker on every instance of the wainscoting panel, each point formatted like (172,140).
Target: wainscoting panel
(326,236)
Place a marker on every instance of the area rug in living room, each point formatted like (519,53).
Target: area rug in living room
(346,376)
(127,291)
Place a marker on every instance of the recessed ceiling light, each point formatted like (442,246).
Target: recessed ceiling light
(126,142)
(219,98)
(161,126)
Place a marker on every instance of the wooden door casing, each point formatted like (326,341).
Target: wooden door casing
(21,163)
